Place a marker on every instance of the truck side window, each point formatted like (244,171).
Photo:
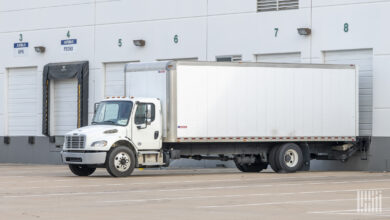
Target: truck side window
(144,111)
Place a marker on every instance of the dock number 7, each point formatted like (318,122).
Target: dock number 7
(276,31)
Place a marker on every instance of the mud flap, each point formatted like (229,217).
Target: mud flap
(306,157)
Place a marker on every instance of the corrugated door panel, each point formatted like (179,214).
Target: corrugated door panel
(114,79)
(22,99)
(362,58)
(65,105)
(279,58)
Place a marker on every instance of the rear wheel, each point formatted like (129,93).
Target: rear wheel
(81,170)
(272,159)
(289,157)
(120,161)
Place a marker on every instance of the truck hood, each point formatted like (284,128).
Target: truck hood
(96,129)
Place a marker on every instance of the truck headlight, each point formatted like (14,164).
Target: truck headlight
(99,144)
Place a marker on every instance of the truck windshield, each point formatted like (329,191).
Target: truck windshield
(113,113)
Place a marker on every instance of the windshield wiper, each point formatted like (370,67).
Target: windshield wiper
(112,122)
(103,122)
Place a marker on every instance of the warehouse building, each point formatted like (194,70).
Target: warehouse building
(57,58)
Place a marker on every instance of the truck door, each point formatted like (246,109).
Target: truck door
(147,126)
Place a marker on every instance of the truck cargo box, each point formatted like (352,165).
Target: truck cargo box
(228,102)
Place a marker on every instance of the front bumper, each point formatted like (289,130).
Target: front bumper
(83,158)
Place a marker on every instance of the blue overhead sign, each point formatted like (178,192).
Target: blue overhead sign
(68,42)
(20,45)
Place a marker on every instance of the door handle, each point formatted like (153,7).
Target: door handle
(156,135)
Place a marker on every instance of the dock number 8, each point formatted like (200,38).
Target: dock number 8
(346,27)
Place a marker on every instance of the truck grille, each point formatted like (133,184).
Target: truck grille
(75,142)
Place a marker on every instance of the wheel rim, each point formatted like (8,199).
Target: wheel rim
(122,161)
(291,158)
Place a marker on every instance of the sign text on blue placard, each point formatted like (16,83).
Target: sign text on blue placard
(69,42)
(20,49)
(68,45)
(21,45)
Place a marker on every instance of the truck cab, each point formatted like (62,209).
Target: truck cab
(125,133)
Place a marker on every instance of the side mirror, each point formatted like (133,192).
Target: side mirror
(145,123)
(96,106)
(147,115)
(141,127)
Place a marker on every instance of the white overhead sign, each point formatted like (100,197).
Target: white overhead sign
(21,49)
(69,45)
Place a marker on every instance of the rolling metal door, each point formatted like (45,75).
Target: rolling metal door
(65,105)
(362,58)
(114,79)
(22,102)
(279,58)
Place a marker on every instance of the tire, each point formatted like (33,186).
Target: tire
(251,168)
(289,158)
(81,170)
(120,161)
(272,159)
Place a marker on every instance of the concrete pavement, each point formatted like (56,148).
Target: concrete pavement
(53,192)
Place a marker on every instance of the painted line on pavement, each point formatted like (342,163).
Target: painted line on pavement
(129,191)
(218,187)
(382,213)
(280,203)
(236,195)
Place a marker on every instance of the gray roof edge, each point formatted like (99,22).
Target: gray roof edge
(265,64)
(148,66)
(170,65)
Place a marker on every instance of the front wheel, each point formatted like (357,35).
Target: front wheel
(81,170)
(120,161)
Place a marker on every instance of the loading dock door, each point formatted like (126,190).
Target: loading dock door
(53,74)
(65,106)
(362,58)
(279,58)
(114,79)
(22,101)
(153,87)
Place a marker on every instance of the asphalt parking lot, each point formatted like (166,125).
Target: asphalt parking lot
(52,192)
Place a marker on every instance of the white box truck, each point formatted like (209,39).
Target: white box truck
(257,114)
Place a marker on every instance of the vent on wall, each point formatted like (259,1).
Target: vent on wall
(276,5)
